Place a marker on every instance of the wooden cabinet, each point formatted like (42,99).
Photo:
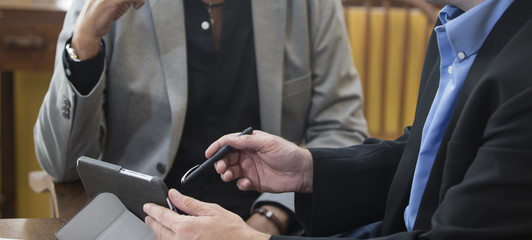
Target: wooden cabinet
(28,37)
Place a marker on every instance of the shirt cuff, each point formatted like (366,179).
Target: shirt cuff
(84,75)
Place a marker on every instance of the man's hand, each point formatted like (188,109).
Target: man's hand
(95,21)
(264,163)
(206,221)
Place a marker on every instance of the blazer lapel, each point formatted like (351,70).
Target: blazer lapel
(399,192)
(169,22)
(269,20)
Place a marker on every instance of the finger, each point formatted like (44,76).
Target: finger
(158,230)
(161,214)
(122,8)
(220,166)
(190,205)
(227,176)
(230,140)
(232,173)
(253,141)
(161,221)
(244,184)
(138,4)
(217,145)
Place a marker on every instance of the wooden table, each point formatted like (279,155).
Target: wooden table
(30,228)
(28,37)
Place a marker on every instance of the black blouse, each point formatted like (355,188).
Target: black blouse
(223,98)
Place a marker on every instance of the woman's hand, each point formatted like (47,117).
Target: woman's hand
(95,21)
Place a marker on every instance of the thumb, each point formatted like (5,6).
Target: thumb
(190,205)
(253,141)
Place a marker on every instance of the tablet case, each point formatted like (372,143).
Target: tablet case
(132,188)
(104,217)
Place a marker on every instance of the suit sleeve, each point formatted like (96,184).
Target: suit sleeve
(350,186)
(69,125)
(335,116)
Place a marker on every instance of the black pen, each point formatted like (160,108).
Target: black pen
(196,170)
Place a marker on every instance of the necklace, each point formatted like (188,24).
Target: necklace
(210,6)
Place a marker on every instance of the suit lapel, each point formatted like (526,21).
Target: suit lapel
(400,189)
(169,22)
(399,193)
(269,20)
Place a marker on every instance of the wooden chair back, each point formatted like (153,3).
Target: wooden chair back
(66,199)
(388,41)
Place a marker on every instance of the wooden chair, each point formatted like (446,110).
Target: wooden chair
(66,199)
(388,41)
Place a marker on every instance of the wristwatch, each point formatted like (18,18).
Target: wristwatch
(269,215)
(71,53)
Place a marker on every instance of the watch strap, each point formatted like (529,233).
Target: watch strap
(271,216)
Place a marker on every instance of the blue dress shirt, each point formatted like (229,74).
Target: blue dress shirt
(459,38)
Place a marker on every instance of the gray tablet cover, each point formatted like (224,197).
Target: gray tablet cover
(132,188)
(104,218)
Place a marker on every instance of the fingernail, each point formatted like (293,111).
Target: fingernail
(145,207)
(175,191)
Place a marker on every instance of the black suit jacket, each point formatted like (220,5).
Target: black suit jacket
(480,185)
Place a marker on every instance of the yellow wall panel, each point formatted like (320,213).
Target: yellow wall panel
(378,73)
(29,90)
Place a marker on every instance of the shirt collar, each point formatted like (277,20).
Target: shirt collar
(468,30)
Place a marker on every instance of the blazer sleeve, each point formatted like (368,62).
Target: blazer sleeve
(69,125)
(335,116)
(350,186)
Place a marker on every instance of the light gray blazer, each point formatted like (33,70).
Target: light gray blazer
(309,89)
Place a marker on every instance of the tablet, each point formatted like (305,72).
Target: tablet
(134,189)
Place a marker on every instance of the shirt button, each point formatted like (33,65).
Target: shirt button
(461,55)
(67,72)
(450,69)
(205,25)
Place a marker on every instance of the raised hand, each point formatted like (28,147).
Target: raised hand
(95,21)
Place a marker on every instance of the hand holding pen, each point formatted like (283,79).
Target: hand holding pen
(198,169)
(265,163)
